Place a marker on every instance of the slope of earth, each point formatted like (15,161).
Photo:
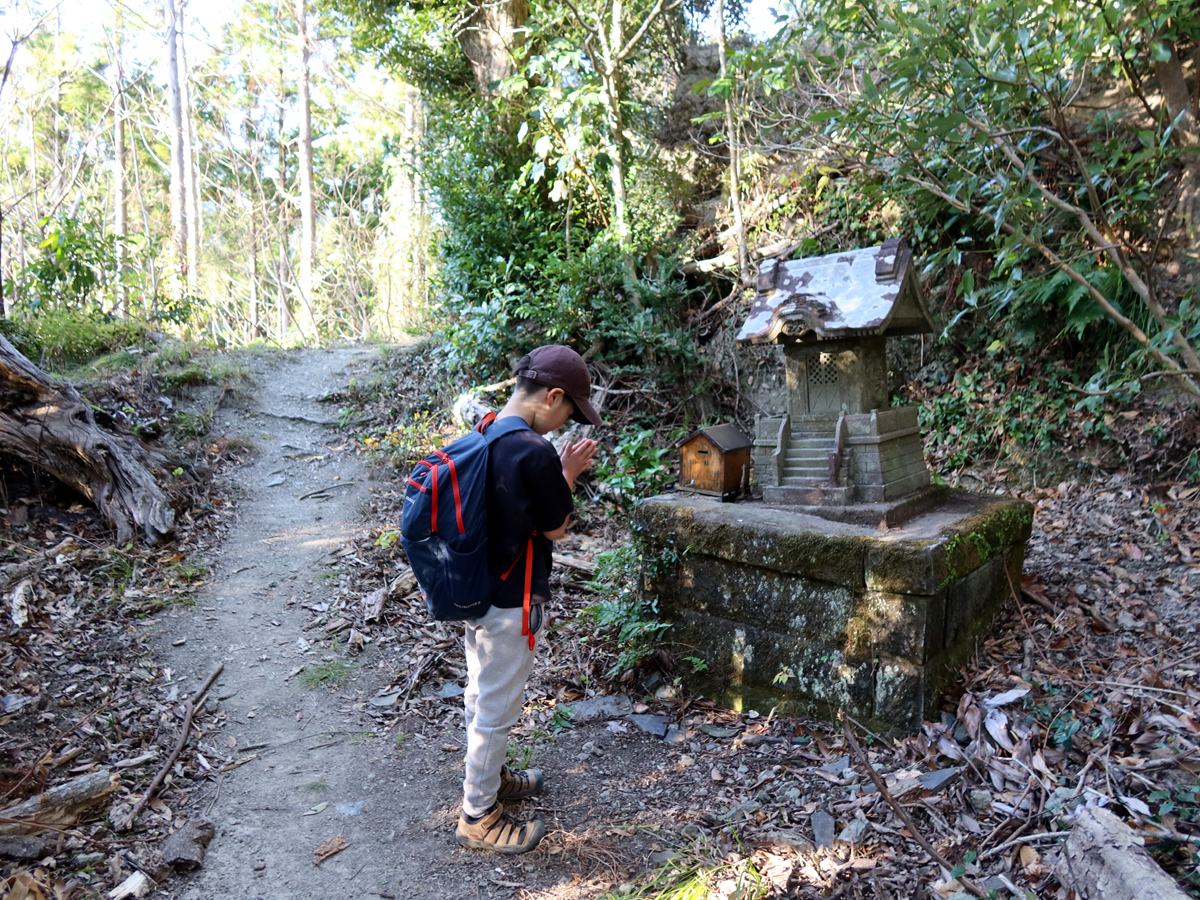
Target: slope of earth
(336,719)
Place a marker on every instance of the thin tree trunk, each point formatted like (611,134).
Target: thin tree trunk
(306,318)
(120,201)
(151,264)
(13,291)
(1186,135)
(611,45)
(175,105)
(191,187)
(735,190)
(285,318)
(58,157)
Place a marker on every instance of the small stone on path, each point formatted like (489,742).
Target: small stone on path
(824,828)
(599,708)
(655,725)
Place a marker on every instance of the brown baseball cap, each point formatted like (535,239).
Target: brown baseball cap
(558,366)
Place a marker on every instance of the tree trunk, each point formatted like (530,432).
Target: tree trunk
(120,203)
(175,104)
(58,160)
(490,33)
(1186,136)
(152,266)
(735,188)
(47,423)
(191,186)
(306,319)
(616,152)
(285,317)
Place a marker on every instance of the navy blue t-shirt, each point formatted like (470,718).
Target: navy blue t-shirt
(526,490)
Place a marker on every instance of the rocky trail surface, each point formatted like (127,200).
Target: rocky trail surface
(304,749)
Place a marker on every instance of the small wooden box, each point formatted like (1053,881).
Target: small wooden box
(715,461)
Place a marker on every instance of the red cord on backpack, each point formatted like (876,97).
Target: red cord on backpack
(462,529)
(526,631)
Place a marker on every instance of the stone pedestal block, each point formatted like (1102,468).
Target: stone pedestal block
(788,606)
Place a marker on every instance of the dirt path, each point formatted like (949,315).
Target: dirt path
(311,747)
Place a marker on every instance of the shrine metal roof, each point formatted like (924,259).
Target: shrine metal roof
(872,291)
(726,437)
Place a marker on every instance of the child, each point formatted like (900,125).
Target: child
(529,505)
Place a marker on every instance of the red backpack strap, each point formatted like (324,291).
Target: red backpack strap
(454,484)
(526,631)
(485,422)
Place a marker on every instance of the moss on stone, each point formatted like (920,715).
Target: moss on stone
(852,616)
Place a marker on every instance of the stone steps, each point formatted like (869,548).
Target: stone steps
(807,457)
(811,442)
(805,472)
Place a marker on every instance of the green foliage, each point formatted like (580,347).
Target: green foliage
(328,675)
(635,468)
(410,38)
(65,336)
(197,424)
(994,411)
(623,612)
(690,876)
(78,266)
(403,445)
(196,371)
(516,273)
(1180,800)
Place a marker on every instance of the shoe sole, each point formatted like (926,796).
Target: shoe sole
(506,849)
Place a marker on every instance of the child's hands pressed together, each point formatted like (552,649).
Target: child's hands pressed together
(576,459)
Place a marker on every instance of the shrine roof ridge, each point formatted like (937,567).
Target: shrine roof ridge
(871,291)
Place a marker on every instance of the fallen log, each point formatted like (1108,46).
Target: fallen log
(63,804)
(1105,860)
(47,423)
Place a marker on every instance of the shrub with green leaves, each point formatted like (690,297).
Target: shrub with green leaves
(514,274)
(64,336)
(635,468)
(629,618)
(1031,144)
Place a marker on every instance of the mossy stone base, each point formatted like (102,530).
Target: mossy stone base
(785,606)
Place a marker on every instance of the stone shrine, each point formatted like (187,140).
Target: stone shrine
(840,441)
(855,583)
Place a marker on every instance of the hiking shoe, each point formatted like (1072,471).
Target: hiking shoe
(499,832)
(519,784)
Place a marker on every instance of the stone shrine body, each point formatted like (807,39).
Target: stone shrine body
(840,442)
(854,583)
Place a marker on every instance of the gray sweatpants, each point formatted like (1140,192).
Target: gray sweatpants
(498,662)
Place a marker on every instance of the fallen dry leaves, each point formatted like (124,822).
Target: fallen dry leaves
(335,844)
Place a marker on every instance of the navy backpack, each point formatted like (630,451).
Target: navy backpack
(444,525)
